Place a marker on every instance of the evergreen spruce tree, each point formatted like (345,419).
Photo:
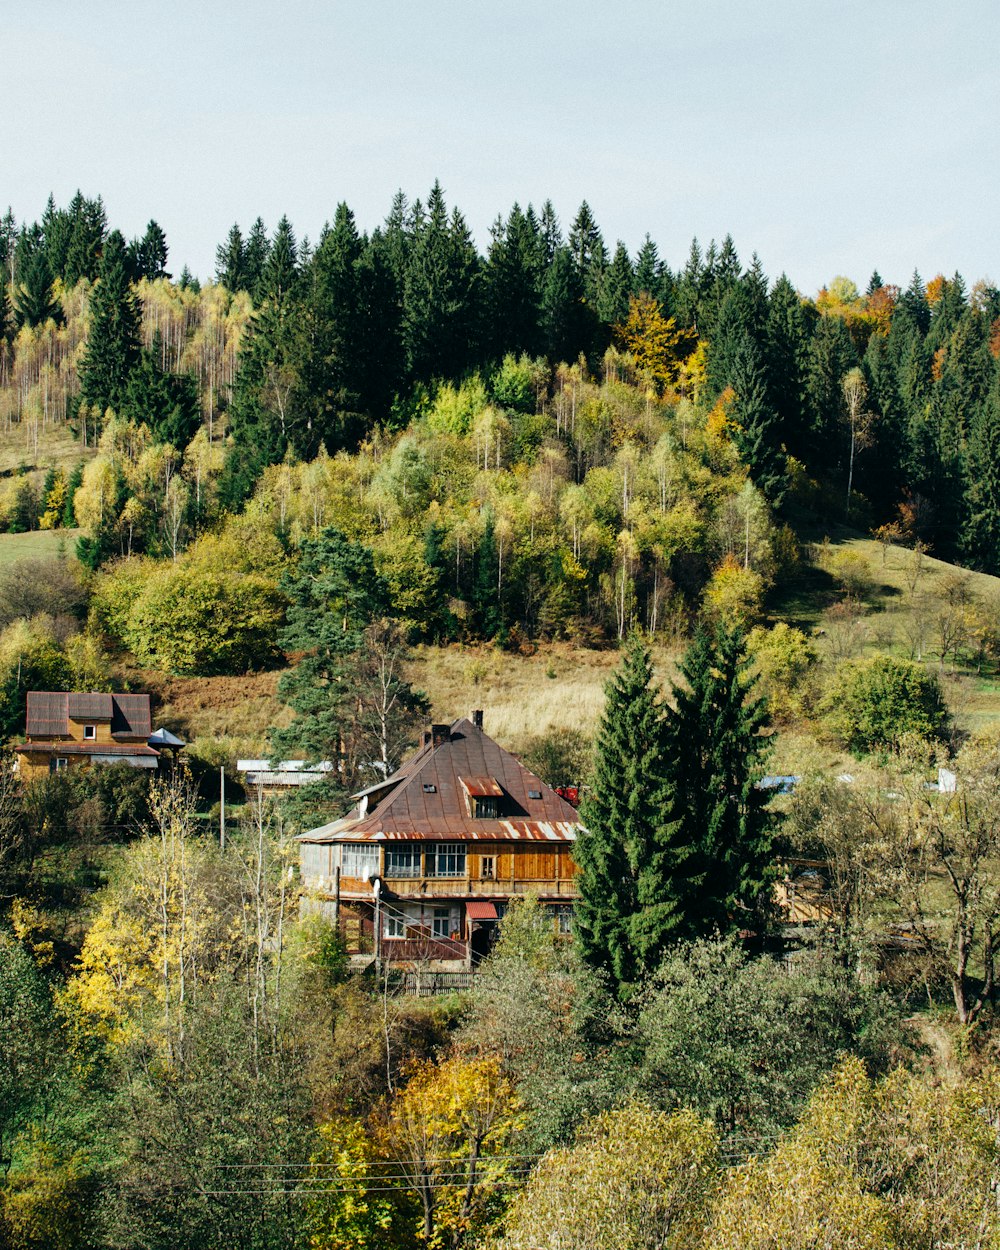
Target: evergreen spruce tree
(717,749)
(73,484)
(513,279)
(981,536)
(332,368)
(440,305)
(258,248)
(649,270)
(113,344)
(230,261)
(166,402)
(757,426)
(34,301)
(629,906)
(786,354)
(334,594)
(562,316)
(89,227)
(151,253)
(619,285)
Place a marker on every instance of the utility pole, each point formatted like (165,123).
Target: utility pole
(222,808)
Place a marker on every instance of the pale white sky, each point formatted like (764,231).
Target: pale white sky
(830,138)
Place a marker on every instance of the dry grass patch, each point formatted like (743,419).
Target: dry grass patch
(237,711)
(56,446)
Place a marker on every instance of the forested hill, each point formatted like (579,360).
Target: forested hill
(880,407)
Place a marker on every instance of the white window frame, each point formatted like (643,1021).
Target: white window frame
(90,733)
(447,859)
(62,763)
(409,851)
(358,855)
(394,926)
(441,922)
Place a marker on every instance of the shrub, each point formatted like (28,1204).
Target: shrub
(873,703)
(784,657)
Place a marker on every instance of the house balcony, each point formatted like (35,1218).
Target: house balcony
(475,887)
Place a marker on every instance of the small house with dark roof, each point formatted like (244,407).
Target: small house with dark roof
(65,730)
(421,871)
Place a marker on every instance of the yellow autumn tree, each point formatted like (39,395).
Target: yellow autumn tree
(449,1130)
(654,342)
(635,1179)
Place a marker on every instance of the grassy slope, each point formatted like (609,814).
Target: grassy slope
(560,686)
(57,446)
(41,544)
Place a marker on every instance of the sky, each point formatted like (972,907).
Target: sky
(829,138)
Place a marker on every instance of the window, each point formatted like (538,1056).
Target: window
(395,925)
(315,860)
(446,859)
(563,915)
(487,806)
(90,731)
(441,922)
(402,861)
(59,763)
(429,788)
(487,867)
(534,794)
(358,860)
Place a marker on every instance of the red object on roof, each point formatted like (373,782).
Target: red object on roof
(50,711)
(570,793)
(480,910)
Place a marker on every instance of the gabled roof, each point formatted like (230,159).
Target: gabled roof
(50,711)
(427,798)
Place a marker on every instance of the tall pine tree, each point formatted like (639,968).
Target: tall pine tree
(113,344)
(635,883)
(717,749)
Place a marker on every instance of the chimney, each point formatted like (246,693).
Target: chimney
(440,733)
(477,718)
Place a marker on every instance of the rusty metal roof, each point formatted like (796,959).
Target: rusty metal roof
(50,711)
(481,787)
(427,799)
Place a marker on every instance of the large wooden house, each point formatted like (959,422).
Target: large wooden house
(72,730)
(423,869)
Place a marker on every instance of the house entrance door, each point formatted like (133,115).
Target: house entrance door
(482,937)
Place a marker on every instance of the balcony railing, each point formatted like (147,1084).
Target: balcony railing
(474,887)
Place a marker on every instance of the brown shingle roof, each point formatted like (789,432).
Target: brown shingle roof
(50,711)
(428,798)
(89,706)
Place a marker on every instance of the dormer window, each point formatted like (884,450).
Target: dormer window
(484,796)
(90,732)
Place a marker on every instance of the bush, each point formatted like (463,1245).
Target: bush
(734,594)
(871,704)
(186,622)
(784,657)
